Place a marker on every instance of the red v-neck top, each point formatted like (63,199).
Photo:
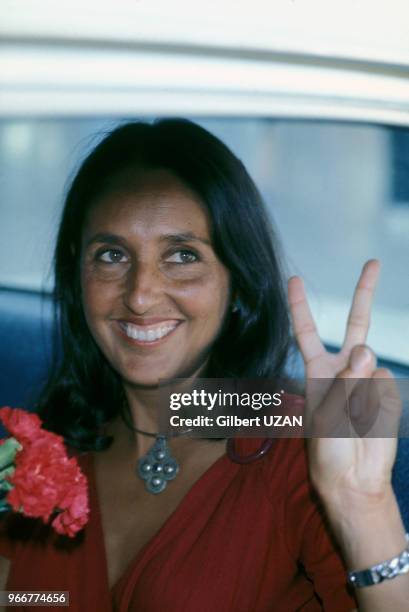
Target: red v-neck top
(245,538)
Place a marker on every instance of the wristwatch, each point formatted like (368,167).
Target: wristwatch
(382,571)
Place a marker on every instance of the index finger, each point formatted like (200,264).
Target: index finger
(305,330)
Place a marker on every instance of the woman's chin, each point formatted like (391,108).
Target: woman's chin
(160,379)
(150,381)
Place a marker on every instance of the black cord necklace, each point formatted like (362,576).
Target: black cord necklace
(158,466)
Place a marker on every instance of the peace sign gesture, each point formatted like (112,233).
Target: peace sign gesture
(319,363)
(340,465)
(352,474)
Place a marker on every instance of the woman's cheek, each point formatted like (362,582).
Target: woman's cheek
(94,311)
(206,297)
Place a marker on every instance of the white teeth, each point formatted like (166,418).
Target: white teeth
(149,335)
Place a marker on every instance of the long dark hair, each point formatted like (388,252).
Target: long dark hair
(84,391)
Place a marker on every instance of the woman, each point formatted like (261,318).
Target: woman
(165,268)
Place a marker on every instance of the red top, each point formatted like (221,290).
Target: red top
(235,543)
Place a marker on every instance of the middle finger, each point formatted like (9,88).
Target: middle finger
(359,314)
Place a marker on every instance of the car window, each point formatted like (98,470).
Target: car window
(338,194)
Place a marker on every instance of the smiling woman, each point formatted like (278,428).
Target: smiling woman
(163,227)
(166,267)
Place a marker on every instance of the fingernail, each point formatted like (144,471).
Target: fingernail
(360,359)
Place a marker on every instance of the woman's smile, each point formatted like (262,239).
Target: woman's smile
(147,333)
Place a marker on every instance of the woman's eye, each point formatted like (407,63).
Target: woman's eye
(183,257)
(111,256)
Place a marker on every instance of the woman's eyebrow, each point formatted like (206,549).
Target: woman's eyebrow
(107,238)
(184,237)
(177,238)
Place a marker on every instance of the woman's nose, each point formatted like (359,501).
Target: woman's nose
(144,287)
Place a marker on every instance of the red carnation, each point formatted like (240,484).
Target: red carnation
(45,480)
(20,423)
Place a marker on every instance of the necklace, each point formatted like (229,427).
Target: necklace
(158,466)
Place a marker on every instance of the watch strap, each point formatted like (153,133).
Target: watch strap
(382,571)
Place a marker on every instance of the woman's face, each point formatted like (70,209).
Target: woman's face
(154,292)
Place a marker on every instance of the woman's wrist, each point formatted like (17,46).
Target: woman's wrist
(368,530)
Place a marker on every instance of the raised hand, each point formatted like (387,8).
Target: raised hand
(353,473)
(342,466)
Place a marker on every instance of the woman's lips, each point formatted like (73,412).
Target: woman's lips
(147,334)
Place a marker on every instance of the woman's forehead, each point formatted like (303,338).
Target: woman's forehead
(150,202)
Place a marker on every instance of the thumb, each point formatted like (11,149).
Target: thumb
(356,376)
(362,363)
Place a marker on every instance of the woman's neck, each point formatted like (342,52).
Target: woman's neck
(146,410)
